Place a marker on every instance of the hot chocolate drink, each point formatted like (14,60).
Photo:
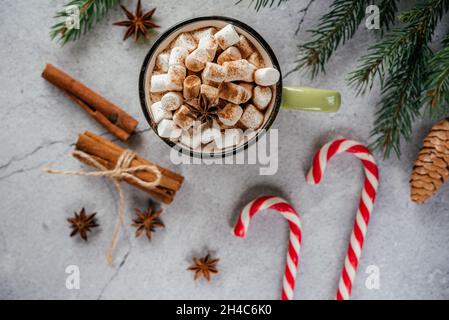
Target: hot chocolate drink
(210,89)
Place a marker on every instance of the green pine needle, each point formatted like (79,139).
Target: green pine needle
(263,3)
(338,26)
(388,10)
(91,11)
(422,19)
(436,92)
(400,103)
(400,61)
(335,28)
(379,56)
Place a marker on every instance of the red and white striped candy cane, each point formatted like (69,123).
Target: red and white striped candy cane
(289,213)
(365,206)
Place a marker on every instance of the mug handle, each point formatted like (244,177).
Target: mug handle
(310,99)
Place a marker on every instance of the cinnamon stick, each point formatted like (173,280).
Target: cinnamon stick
(141,161)
(110,116)
(159,194)
(107,154)
(101,119)
(101,147)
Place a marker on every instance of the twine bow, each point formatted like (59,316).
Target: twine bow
(121,171)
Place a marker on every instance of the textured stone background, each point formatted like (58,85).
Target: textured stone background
(39,125)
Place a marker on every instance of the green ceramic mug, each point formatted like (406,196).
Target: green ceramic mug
(310,99)
(297,98)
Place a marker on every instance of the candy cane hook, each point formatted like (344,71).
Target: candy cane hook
(289,213)
(365,206)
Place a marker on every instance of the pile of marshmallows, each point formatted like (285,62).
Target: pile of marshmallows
(226,68)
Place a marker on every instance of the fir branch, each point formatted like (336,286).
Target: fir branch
(90,11)
(400,103)
(403,55)
(422,22)
(335,28)
(437,85)
(428,11)
(263,3)
(381,54)
(388,10)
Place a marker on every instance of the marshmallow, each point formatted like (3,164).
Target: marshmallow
(210,44)
(233,93)
(185,40)
(192,86)
(191,138)
(209,82)
(248,87)
(159,83)
(156,96)
(168,129)
(176,75)
(178,55)
(205,32)
(159,113)
(266,76)
(210,134)
(171,101)
(262,97)
(196,61)
(230,114)
(207,136)
(245,47)
(214,73)
(210,92)
(162,62)
(227,37)
(239,70)
(230,54)
(182,118)
(229,138)
(256,59)
(252,118)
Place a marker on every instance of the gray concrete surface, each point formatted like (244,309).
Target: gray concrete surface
(39,126)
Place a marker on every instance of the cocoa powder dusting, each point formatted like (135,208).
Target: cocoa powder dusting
(192,81)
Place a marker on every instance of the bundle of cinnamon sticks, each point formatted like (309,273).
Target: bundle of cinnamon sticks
(107,153)
(110,116)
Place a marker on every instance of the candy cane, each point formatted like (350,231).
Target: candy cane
(288,212)
(365,206)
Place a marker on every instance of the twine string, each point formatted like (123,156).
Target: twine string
(121,171)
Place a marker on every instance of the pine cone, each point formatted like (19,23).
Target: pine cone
(431,168)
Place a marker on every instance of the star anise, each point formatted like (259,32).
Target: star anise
(202,110)
(204,267)
(147,221)
(82,223)
(138,23)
